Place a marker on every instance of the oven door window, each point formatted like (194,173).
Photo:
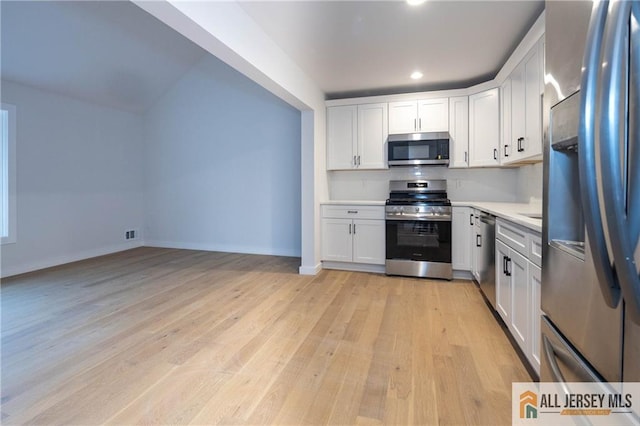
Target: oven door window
(428,241)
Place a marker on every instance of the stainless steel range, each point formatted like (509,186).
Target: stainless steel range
(418,229)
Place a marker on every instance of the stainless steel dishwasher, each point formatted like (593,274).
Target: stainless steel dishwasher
(485,255)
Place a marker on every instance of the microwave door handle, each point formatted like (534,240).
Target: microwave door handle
(612,137)
(587,157)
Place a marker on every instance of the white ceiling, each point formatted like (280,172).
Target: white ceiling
(107,52)
(371,47)
(113,53)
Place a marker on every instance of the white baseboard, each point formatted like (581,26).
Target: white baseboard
(310,270)
(67,258)
(462,275)
(220,247)
(355,267)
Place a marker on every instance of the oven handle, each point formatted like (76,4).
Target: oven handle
(413,218)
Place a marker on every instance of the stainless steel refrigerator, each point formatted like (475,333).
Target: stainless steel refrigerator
(591,227)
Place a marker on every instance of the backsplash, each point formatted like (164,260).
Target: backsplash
(490,184)
(530,183)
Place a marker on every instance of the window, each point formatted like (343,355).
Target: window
(8,173)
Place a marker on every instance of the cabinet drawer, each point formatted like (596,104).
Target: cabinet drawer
(512,235)
(352,212)
(534,244)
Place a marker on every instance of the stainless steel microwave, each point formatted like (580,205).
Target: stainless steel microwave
(418,148)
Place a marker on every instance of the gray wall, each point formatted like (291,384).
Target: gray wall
(222,166)
(79,179)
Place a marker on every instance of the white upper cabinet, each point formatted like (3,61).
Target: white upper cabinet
(403,117)
(429,115)
(372,135)
(484,129)
(356,136)
(342,133)
(525,141)
(505,120)
(433,115)
(459,131)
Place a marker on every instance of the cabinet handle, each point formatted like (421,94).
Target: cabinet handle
(358,161)
(508,266)
(419,123)
(505,150)
(495,154)
(504,265)
(354,161)
(352,211)
(349,229)
(520,147)
(415,124)
(478,240)
(354,229)
(471,219)
(466,158)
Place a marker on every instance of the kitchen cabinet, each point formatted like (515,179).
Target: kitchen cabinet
(535,282)
(353,234)
(459,132)
(505,120)
(428,115)
(518,281)
(484,128)
(524,141)
(356,136)
(462,234)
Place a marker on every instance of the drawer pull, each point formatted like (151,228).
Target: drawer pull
(352,211)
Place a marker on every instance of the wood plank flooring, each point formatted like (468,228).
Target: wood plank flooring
(158,336)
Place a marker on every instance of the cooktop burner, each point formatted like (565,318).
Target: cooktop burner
(418,192)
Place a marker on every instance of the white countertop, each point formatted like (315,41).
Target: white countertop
(514,212)
(509,211)
(355,202)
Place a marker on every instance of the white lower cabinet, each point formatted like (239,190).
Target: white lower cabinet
(518,288)
(535,283)
(503,282)
(461,236)
(353,234)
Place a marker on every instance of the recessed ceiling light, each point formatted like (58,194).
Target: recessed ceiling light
(416,75)
(415,2)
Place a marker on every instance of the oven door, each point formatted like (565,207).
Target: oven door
(419,248)
(422,240)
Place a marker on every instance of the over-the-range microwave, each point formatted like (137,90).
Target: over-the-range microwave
(412,149)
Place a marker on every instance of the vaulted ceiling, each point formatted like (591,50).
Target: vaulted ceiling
(114,53)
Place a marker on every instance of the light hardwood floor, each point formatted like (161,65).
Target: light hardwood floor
(157,336)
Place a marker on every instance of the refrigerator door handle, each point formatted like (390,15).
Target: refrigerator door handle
(549,353)
(613,143)
(589,178)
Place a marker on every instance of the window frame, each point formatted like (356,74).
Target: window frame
(8,145)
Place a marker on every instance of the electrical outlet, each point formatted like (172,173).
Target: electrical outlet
(131,234)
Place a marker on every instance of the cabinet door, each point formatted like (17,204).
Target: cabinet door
(505,122)
(459,131)
(369,241)
(535,281)
(520,300)
(372,134)
(532,143)
(403,117)
(460,235)
(503,283)
(342,128)
(517,110)
(337,239)
(433,115)
(526,137)
(484,128)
